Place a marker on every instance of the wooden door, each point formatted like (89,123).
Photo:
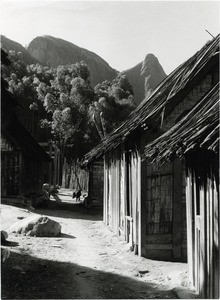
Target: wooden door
(11,175)
(159,211)
(159,199)
(122,196)
(133,199)
(128,206)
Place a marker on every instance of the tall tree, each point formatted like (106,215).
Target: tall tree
(67,99)
(113,103)
(22,82)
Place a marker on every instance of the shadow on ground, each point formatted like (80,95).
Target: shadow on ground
(60,209)
(44,279)
(9,243)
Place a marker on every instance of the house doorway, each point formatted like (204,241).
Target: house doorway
(10,173)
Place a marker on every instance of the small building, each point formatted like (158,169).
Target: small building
(145,202)
(195,139)
(24,163)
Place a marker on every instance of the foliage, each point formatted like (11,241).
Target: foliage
(22,82)
(67,98)
(62,101)
(113,103)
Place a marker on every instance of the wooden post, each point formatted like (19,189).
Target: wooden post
(50,166)
(207,229)
(139,183)
(22,181)
(177,209)
(125,196)
(143,199)
(90,185)
(190,230)
(216,252)
(202,258)
(211,239)
(105,189)
(116,180)
(59,175)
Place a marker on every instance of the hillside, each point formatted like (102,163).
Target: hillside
(8,44)
(145,76)
(53,52)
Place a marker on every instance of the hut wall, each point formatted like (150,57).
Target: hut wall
(149,201)
(10,169)
(122,195)
(33,174)
(20,175)
(203,229)
(163,216)
(112,193)
(96,179)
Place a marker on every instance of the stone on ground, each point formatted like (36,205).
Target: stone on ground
(37,226)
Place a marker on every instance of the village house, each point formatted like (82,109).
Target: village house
(145,202)
(24,163)
(196,140)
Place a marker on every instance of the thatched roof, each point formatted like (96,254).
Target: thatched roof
(21,137)
(199,129)
(163,99)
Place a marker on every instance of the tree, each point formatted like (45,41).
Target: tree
(113,103)
(66,99)
(22,82)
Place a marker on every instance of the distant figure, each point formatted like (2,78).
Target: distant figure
(77,194)
(45,187)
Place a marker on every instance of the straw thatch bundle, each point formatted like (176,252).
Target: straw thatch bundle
(199,129)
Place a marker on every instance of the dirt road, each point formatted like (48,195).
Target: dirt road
(86,262)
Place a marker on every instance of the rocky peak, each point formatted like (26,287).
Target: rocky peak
(145,76)
(8,45)
(53,52)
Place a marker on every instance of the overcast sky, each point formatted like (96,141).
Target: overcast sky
(121,32)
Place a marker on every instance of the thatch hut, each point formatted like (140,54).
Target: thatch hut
(145,202)
(196,140)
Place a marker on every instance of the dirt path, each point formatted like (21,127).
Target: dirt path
(87,261)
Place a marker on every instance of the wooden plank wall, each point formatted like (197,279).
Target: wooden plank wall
(203,237)
(164,203)
(134,203)
(120,184)
(177,210)
(113,186)
(122,199)
(106,191)
(159,211)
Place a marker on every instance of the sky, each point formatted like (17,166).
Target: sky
(121,32)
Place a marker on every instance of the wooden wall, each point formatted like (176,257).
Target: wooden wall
(122,195)
(148,212)
(20,175)
(163,212)
(96,182)
(203,231)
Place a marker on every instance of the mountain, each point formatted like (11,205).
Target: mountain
(8,44)
(53,52)
(145,76)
